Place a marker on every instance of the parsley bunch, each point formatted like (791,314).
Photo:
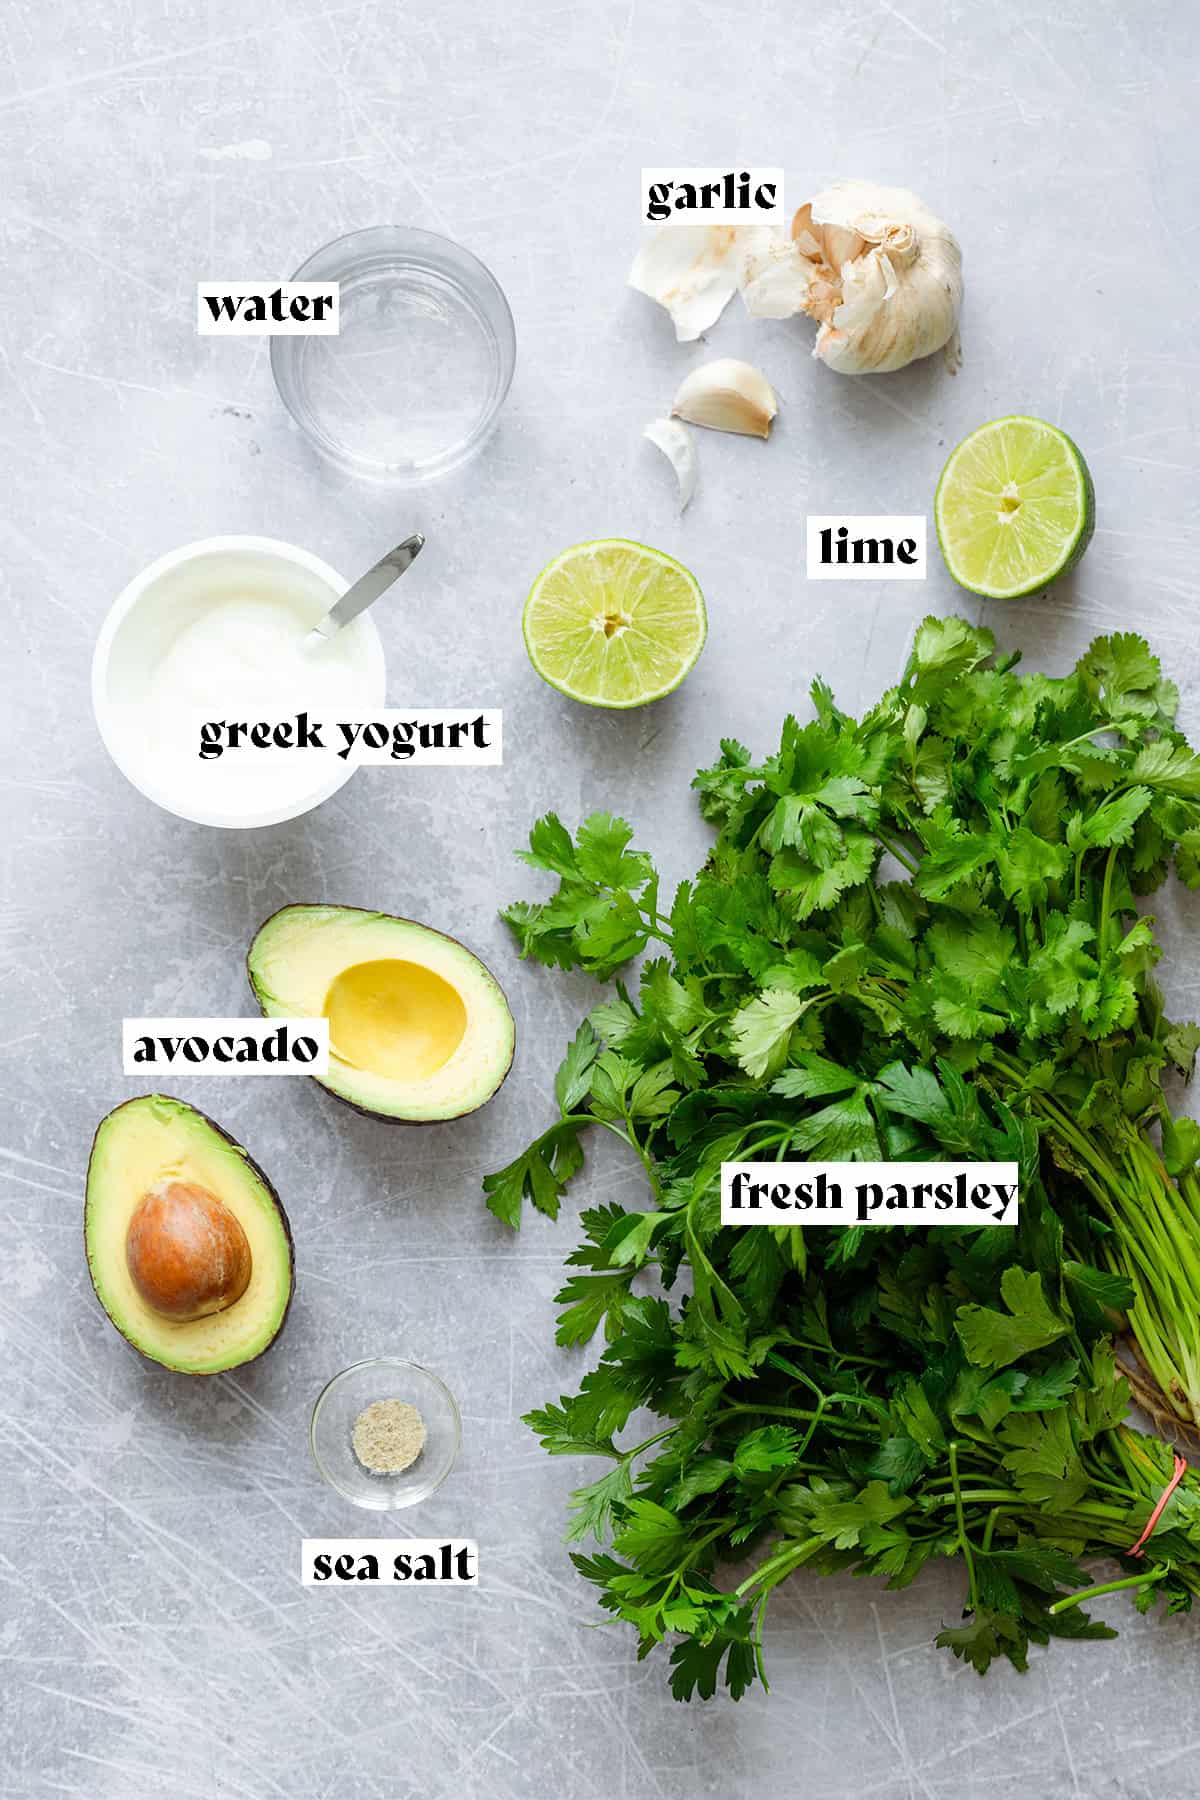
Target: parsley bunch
(855,1400)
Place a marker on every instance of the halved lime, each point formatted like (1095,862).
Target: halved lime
(1015,508)
(613,623)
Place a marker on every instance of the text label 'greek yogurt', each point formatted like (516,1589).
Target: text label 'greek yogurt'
(888,1193)
(251,309)
(436,736)
(226,1046)
(389,1562)
(719,195)
(878,547)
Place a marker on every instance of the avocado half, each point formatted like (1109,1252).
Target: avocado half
(419,1029)
(155,1144)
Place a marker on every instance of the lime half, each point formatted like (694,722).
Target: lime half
(1015,508)
(614,624)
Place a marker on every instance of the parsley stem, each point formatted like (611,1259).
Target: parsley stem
(787,1368)
(627,1137)
(873,1362)
(1154,1243)
(1111,1487)
(760,1613)
(779,1564)
(1106,901)
(1109,1587)
(980,1495)
(636,1449)
(850,1427)
(894,849)
(1097,1511)
(963,1541)
(694,1548)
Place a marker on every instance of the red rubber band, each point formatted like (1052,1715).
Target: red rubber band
(1180,1471)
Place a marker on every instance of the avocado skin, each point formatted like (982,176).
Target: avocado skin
(201,1374)
(365,1112)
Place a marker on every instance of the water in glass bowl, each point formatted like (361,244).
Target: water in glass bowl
(410,375)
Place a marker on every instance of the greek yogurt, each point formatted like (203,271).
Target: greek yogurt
(216,632)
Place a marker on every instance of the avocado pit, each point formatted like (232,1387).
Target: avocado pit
(186,1252)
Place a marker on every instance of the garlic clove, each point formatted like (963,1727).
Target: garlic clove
(675,442)
(804,231)
(842,245)
(691,267)
(775,278)
(865,287)
(727,395)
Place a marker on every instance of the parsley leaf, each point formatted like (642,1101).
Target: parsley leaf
(994,1339)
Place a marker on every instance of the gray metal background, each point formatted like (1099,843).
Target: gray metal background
(153,1635)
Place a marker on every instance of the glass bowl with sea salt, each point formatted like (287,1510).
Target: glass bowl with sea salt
(385,1433)
(412,383)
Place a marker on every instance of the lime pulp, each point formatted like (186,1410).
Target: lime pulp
(613,623)
(1015,508)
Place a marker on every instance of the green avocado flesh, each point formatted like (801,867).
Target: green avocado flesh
(419,1030)
(138,1148)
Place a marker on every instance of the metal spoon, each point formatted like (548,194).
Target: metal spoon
(365,591)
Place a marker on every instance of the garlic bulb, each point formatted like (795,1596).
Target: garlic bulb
(727,395)
(692,268)
(675,442)
(880,273)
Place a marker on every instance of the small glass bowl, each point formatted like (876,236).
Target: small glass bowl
(412,384)
(339,1404)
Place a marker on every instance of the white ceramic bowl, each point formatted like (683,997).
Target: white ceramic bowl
(175,589)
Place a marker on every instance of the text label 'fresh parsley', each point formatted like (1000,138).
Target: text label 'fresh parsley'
(886,1193)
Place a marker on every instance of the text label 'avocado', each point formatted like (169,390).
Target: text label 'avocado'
(226,1046)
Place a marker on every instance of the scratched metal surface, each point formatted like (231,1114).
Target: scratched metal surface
(153,1635)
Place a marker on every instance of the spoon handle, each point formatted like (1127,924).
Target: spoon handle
(366,589)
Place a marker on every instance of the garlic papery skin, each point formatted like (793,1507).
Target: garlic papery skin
(675,442)
(692,268)
(727,395)
(880,273)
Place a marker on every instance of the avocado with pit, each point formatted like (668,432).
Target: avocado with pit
(188,1247)
(419,1029)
